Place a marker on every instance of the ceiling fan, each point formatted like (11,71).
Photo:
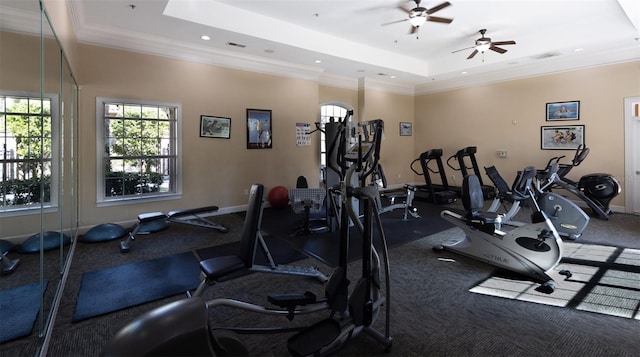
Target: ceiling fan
(484,43)
(419,15)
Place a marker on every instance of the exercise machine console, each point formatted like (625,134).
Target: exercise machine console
(431,192)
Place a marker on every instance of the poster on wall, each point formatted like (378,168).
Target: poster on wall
(562,137)
(303,134)
(259,135)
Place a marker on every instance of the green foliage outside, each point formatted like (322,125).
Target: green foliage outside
(28,121)
(25,192)
(126,183)
(135,134)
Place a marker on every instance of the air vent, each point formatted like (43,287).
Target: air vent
(547,55)
(236,44)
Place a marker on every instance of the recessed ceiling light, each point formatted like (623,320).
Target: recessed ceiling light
(578,49)
(205,37)
(463,72)
(318,61)
(392,76)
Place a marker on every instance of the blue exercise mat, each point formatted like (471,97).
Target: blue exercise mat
(19,308)
(112,289)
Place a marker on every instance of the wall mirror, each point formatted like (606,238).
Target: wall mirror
(38,204)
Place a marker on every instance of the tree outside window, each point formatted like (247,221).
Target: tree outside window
(26,151)
(140,154)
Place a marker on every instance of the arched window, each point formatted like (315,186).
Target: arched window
(328,111)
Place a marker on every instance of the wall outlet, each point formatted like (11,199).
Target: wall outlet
(501,154)
(246,192)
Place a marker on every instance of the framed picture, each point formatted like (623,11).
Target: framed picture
(215,127)
(562,137)
(259,135)
(563,111)
(406,129)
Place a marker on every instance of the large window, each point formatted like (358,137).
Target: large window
(27,149)
(138,149)
(329,112)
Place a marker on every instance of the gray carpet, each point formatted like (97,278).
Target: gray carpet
(432,311)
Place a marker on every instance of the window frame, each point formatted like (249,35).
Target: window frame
(53,203)
(104,200)
(322,141)
(322,154)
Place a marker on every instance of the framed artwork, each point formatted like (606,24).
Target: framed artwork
(563,111)
(406,129)
(215,127)
(259,135)
(562,137)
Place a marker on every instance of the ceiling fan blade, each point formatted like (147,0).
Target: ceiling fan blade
(439,19)
(502,43)
(475,52)
(438,8)
(497,49)
(464,49)
(394,22)
(408,11)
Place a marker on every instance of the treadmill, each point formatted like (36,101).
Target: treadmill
(430,192)
(463,156)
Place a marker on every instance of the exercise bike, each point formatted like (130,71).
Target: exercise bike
(568,219)
(596,190)
(532,250)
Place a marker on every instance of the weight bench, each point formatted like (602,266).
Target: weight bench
(191,216)
(227,267)
(154,221)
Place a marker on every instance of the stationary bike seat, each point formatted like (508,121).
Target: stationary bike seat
(473,200)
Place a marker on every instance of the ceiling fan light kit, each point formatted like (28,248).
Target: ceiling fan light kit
(483,44)
(417,20)
(419,15)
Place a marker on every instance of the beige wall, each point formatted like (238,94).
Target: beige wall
(20,72)
(217,171)
(369,104)
(508,116)
(58,14)
(397,151)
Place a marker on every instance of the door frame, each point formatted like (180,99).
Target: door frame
(632,151)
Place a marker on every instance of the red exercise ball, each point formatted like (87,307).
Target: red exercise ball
(279,197)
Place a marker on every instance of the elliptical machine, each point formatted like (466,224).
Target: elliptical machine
(532,250)
(182,328)
(596,190)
